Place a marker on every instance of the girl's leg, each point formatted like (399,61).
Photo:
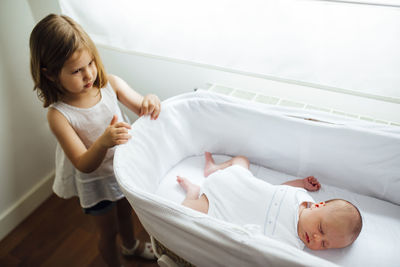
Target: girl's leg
(211,166)
(107,228)
(192,199)
(125,223)
(131,246)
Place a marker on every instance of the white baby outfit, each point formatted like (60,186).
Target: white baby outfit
(236,196)
(89,124)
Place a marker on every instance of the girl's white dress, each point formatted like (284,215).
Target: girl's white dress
(89,124)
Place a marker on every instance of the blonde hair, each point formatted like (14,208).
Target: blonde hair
(351,212)
(53,40)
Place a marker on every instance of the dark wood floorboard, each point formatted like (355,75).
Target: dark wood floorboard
(58,234)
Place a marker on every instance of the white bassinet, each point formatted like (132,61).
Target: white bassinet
(352,159)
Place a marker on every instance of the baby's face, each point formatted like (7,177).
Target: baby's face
(318,230)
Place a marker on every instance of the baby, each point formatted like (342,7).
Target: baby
(283,212)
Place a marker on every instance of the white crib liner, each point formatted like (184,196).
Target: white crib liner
(351,155)
(376,246)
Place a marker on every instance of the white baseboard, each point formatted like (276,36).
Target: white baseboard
(14,215)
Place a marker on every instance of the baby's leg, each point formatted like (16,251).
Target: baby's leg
(192,190)
(211,166)
(192,199)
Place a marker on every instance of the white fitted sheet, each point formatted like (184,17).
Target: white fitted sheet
(377,244)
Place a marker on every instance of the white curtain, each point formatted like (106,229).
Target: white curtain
(338,45)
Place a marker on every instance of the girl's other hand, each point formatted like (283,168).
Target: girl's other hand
(150,105)
(116,133)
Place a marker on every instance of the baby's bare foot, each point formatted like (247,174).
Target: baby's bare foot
(210,166)
(311,183)
(192,190)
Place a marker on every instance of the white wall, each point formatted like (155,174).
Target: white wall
(5,133)
(27,146)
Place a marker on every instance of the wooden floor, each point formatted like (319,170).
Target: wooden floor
(59,234)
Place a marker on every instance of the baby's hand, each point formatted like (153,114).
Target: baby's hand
(116,133)
(150,105)
(311,183)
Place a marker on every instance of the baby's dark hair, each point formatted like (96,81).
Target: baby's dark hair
(53,40)
(350,209)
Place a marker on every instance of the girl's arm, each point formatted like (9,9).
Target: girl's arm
(86,159)
(150,104)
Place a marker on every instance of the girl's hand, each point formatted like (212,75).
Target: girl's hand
(150,105)
(116,133)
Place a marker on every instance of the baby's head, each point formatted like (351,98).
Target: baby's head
(53,41)
(335,223)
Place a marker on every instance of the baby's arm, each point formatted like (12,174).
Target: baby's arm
(309,183)
(150,104)
(86,159)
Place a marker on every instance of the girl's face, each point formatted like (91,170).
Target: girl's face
(78,73)
(318,230)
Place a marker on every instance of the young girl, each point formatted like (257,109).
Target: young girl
(84,116)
